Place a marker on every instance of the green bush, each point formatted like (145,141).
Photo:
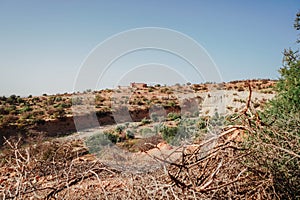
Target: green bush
(147,132)
(130,134)
(171,103)
(275,144)
(173,116)
(168,133)
(111,137)
(12,99)
(217,120)
(119,129)
(98,141)
(25,109)
(11,109)
(145,121)
(281,137)
(58,98)
(154,117)
(3,111)
(201,124)
(156,128)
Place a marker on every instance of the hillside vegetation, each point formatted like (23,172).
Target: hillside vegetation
(52,115)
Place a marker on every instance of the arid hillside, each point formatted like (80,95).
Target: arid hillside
(149,142)
(53,115)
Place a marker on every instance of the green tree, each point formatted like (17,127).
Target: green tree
(297,24)
(276,143)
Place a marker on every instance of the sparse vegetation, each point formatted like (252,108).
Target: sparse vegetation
(145,121)
(146,136)
(173,116)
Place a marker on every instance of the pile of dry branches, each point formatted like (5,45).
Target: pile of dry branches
(43,170)
(63,171)
(221,173)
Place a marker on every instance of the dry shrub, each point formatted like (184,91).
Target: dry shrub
(221,172)
(40,170)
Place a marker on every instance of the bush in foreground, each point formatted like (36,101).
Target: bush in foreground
(275,139)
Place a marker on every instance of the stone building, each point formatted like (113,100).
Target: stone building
(138,85)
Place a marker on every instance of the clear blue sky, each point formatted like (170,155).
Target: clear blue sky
(43,43)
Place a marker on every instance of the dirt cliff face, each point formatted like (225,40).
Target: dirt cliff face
(67,125)
(9,131)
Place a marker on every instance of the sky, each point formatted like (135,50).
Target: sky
(45,44)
